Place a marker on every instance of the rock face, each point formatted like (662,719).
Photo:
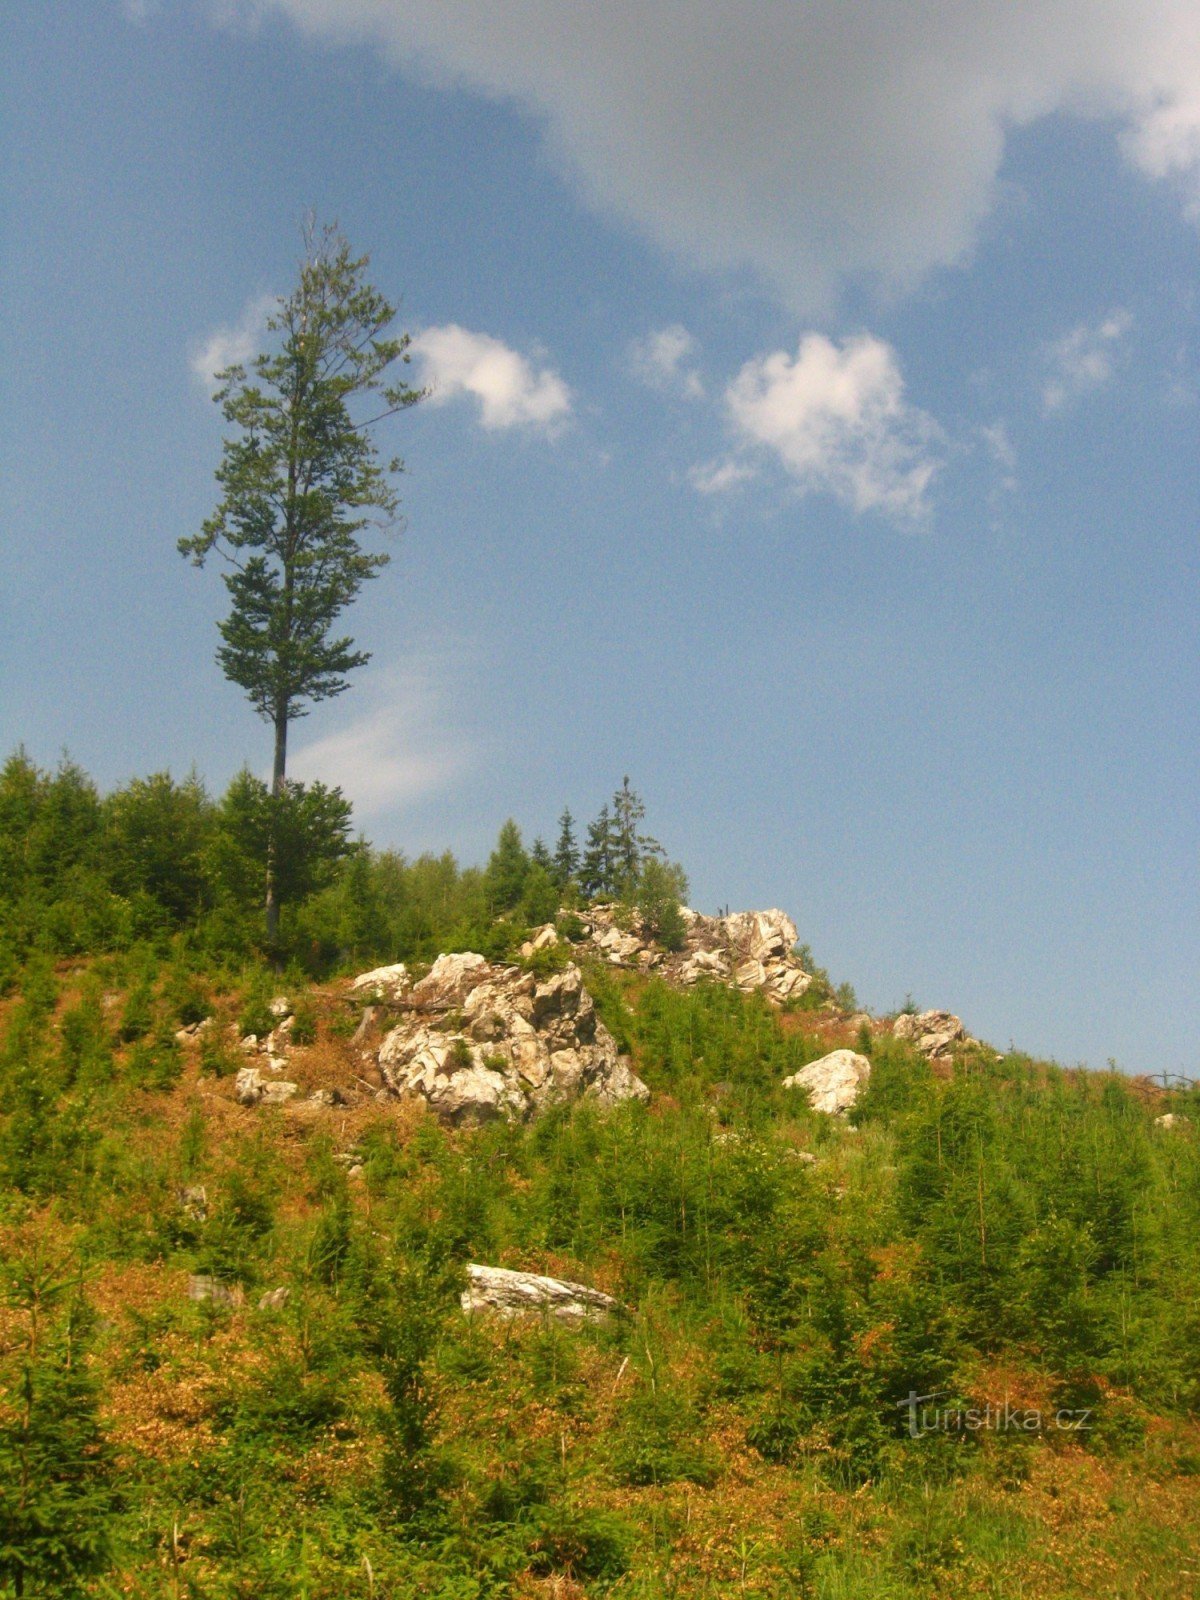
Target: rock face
(482,1042)
(746,949)
(936,1034)
(833,1083)
(498,1291)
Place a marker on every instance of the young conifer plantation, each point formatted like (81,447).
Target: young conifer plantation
(942,1345)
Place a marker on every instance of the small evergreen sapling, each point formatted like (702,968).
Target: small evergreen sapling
(56,1471)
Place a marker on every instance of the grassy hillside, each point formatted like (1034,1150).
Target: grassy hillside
(1002,1235)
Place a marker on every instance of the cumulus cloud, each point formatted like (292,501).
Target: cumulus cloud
(1165,143)
(510,391)
(807,142)
(399,749)
(837,420)
(234,345)
(663,361)
(1083,360)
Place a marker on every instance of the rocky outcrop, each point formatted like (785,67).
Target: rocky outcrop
(834,1083)
(481,1042)
(936,1034)
(499,1292)
(750,950)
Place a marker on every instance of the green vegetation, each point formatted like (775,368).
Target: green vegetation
(999,1232)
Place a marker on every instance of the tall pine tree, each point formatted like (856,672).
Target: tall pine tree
(300,481)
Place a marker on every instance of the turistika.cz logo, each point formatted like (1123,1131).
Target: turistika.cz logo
(926,1416)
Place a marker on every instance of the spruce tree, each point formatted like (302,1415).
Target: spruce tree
(56,1494)
(629,847)
(596,870)
(566,852)
(507,869)
(300,481)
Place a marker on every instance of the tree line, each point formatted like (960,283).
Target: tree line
(159,859)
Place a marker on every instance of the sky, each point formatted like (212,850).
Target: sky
(812,436)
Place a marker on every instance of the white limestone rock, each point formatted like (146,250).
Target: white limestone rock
(935,1034)
(753,950)
(496,1291)
(448,981)
(543,939)
(834,1083)
(252,1089)
(512,1047)
(383,983)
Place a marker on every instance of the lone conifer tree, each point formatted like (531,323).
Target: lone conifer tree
(566,852)
(300,480)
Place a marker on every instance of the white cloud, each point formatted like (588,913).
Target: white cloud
(399,749)
(806,141)
(235,345)
(1083,360)
(1165,143)
(999,446)
(837,420)
(718,477)
(455,361)
(662,361)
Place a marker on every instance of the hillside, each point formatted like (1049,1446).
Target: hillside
(941,1342)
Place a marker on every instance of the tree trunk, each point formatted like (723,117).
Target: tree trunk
(278,774)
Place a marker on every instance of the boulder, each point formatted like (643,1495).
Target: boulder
(252,1089)
(499,1292)
(275,1299)
(383,983)
(512,1046)
(280,1007)
(202,1286)
(1171,1119)
(193,1031)
(544,939)
(833,1083)
(448,981)
(935,1034)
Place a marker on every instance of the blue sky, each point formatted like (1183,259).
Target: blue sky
(814,439)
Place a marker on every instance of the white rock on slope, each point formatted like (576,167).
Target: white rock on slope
(833,1083)
(384,983)
(252,1089)
(484,1042)
(934,1033)
(752,950)
(498,1291)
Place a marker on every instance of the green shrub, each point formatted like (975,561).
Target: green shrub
(587,1545)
